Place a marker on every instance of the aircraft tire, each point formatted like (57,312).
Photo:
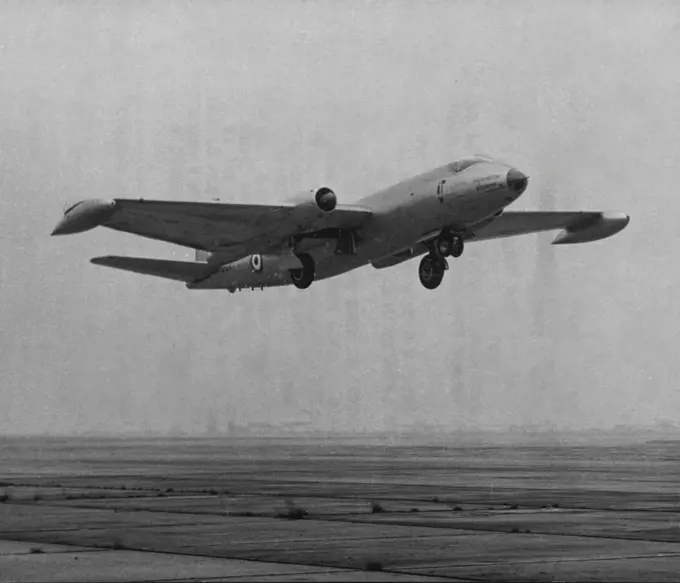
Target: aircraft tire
(444,245)
(303,278)
(457,246)
(431,271)
(449,244)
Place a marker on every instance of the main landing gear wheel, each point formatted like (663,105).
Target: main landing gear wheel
(449,244)
(431,271)
(303,278)
(458,245)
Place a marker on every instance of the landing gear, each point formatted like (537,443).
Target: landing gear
(303,278)
(458,246)
(431,271)
(449,244)
(434,264)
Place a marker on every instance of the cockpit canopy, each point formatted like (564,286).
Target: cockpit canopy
(464,163)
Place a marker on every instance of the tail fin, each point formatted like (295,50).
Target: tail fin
(178,270)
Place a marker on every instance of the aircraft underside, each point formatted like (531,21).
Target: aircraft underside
(322,261)
(311,237)
(431,270)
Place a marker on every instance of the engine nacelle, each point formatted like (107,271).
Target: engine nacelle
(321,199)
(254,268)
(252,271)
(311,205)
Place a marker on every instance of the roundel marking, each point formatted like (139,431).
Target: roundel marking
(256,262)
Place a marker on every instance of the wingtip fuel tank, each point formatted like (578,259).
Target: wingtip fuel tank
(85,215)
(602,226)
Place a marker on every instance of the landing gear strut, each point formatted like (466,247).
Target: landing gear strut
(303,278)
(431,271)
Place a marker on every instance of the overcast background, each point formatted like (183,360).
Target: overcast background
(254,101)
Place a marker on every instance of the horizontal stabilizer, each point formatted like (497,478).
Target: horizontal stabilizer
(178,270)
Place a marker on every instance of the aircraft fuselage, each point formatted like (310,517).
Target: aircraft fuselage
(447,198)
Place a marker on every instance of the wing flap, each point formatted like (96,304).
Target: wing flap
(185,271)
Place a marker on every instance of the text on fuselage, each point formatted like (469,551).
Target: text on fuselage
(488,183)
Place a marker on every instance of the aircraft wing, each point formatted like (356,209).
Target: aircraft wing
(210,226)
(576,226)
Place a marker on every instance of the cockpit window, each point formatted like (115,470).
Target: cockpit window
(68,207)
(460,165)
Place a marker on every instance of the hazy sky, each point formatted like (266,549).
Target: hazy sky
(256,100)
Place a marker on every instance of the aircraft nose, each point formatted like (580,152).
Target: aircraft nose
(517,182)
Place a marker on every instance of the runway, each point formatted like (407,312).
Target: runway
(297,509)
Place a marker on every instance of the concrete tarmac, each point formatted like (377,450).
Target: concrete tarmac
(246,509)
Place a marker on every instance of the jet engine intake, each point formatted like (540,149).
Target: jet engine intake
(309,206)
(320,199)
(325,199)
